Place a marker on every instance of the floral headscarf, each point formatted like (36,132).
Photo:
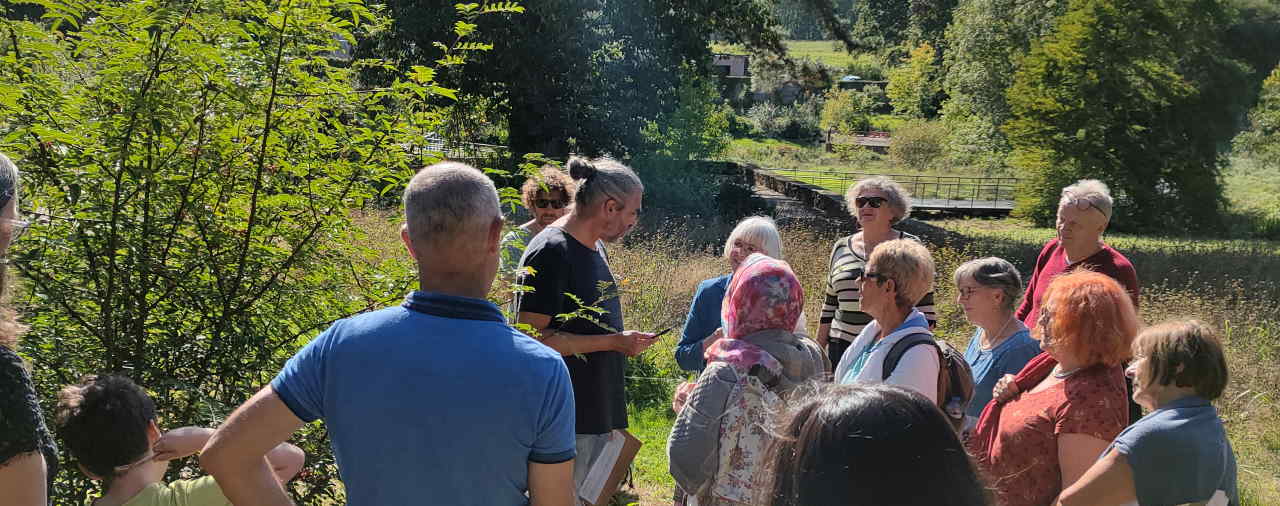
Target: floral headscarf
(764,294)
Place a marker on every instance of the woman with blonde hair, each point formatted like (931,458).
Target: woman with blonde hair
(1048,424)
(877,203)
(1179,453)
(28,456)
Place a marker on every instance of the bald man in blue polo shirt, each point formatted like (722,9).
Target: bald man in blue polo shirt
(435,401)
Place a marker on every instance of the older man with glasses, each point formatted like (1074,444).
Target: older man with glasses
(1083,214)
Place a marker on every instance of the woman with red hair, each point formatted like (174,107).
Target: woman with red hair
(1047,425)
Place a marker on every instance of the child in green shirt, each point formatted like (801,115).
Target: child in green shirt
(108,424)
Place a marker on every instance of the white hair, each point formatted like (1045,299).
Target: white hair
(1093,191)
(898,198)
(448,199)
(760,231)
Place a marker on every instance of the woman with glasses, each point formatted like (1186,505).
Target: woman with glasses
(547,196)
(877,204)
(28,456)
(1179,453)
(987,290)
(897,275)
(1047,425)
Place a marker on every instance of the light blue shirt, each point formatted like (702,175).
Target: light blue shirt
(988,366)
(1179,454)
(435,401)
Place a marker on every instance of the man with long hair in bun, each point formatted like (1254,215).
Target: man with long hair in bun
(570,268)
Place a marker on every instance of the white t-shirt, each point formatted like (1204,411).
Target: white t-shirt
(917,370)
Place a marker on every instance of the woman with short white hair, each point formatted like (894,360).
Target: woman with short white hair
(877,203)
(898,274)
(757,234)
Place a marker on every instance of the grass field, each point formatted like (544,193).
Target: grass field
(1232,284)
(827,52)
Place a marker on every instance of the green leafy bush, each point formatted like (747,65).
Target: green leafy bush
(919,145)
(193,168)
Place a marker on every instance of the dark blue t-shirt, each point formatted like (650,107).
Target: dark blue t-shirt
(703,319)
(1179,454)
(561,266)
(437,401)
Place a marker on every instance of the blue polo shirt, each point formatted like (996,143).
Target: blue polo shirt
(435,401)
(1179,454)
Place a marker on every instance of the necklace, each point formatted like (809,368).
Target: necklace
(998,336)
(1064,374)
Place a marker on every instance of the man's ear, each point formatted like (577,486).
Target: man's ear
(495,235)
(408,243)
(153,432)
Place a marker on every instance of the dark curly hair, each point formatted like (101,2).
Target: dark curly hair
(550,179)
(103,422)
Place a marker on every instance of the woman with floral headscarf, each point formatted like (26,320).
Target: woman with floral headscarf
(721,433)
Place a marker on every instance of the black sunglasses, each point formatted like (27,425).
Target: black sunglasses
(880,278)
(874,202)
(554,204)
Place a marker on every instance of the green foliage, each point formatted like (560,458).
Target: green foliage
(697,129)
(847,111)
(1262,139)
(880,24)
(985,44)
(796,121)
(193,168)
(800,21)
(1137,93)
(918,145)
(914,86)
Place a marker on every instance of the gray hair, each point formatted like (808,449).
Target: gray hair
(760,231)
(447,199)
(993,272)
(8,180)
(898,197)
(1092,191)
(600,179)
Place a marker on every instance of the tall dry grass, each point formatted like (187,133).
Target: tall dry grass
(1231,284)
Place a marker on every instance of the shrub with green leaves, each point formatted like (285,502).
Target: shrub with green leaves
(914,86)
(192,167)
(919,145)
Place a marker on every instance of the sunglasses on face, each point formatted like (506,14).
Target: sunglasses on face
(554,204)
(876,276)
(874,202)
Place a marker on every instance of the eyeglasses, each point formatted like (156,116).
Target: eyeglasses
(554,204)
(968,292)
(874,202)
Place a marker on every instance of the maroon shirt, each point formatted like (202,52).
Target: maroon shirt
(1053,261)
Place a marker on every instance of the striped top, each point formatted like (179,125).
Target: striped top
(843,305)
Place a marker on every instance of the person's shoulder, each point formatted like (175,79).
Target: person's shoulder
(551,240)
(1092,386)
(1117,258)
(10,362)
(718,281)
(1050,247)
(202,491)
(913,237)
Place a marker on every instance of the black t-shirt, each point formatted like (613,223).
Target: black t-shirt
(22,428)
(563,265)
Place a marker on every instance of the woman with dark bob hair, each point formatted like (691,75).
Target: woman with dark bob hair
(870,444)
(1179,452)
(1046,426)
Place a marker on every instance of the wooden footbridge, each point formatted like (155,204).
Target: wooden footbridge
(951,194)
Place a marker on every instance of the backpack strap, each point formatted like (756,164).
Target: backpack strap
(900,348)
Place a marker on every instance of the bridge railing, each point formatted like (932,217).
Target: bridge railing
(926,190)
